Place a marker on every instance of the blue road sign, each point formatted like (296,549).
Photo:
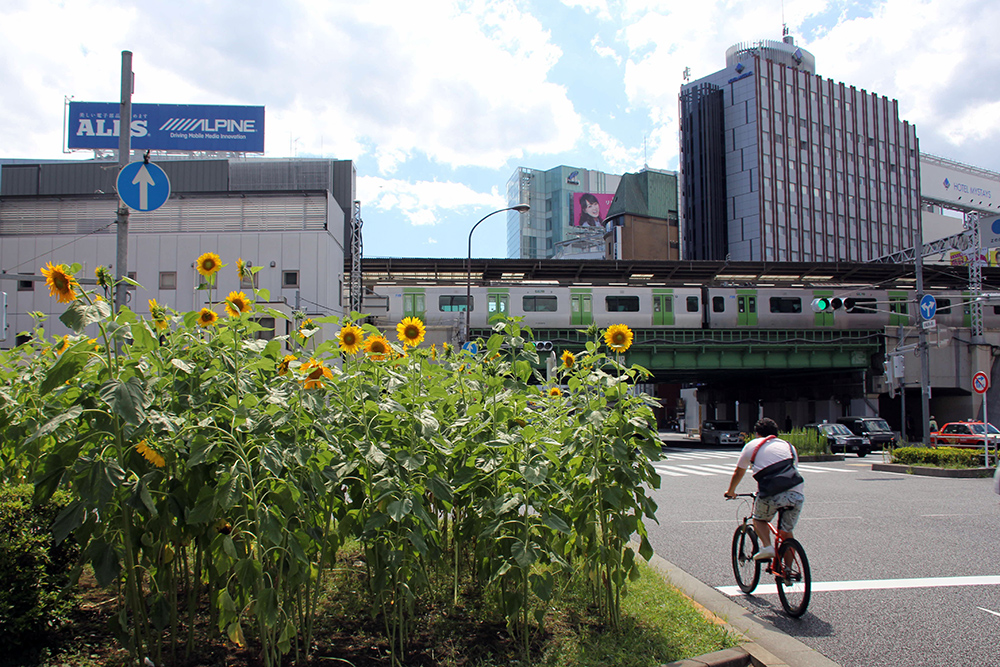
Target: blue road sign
(143,186)
(470,347)
(928,307)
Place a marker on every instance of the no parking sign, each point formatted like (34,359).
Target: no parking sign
(980,382)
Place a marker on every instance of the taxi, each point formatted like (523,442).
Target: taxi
(964,434)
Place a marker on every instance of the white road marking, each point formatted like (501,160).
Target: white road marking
(989,611)
(875,584)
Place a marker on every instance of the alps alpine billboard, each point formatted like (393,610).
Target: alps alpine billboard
(168,127)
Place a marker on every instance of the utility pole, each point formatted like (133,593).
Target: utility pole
(124,155)
(925,371)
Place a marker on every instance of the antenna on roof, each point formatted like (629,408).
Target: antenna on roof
(784,26)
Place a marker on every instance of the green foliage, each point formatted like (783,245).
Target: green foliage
(808,442)
(203,461)
(943,457)
(35,570)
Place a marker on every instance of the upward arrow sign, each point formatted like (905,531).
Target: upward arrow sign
(144,180)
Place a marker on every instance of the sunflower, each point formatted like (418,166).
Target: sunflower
(284,363)
(568,359)
(377,347)
(207,317)
(208,264)
(618,337)
(350,339)
(315,371)
(555,392)
(305,328)
(242,270)
(150,454)
(237,304)
(159,314)
(60,282)
(410,331)
(104,277)
(63,345)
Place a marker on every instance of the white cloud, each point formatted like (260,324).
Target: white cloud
(598,7)
(605,51)
(423,202)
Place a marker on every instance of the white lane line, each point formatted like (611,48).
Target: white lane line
(989,611)
(809,468)
(668,472)
(691,470)
(874,585)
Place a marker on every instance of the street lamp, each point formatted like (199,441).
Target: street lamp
(520,208)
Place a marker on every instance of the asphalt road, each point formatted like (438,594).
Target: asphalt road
(906,569)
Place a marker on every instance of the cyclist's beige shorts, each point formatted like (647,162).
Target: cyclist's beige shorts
(790,504)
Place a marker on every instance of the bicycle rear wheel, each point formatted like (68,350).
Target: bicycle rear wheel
(795,580)
(746,569)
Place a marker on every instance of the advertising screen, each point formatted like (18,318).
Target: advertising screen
(590,209)
(166,127)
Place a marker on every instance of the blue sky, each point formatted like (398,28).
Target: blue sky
(438,102)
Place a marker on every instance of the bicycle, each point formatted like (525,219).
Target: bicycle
(789,566)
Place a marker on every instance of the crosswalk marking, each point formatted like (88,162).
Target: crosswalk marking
(702,465)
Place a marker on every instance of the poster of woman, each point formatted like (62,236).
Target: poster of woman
(590,209)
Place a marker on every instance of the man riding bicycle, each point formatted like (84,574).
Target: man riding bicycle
(779,485)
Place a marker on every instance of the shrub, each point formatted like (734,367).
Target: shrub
(807,442)
(944,457)
(33,568)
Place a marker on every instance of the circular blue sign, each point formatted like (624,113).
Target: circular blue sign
(996,226)
(143,186)
(928,307)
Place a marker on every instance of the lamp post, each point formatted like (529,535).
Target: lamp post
(520,208)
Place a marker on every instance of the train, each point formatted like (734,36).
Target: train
(654,307)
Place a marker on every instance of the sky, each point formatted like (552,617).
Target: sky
(437,102)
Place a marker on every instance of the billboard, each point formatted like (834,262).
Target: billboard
(168,127)
(950,184)
(590,209)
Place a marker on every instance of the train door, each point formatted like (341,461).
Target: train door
(663,308)
(497,303)
(581,308)
(899,309)
(414,303)
(824,319)
(746,308)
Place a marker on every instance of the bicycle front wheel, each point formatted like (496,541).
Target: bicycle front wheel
(795,580)
(746,569)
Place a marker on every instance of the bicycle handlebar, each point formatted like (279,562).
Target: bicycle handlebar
(743,495)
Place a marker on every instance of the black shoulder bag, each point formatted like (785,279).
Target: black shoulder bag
(776,477)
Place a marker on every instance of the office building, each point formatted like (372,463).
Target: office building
(643,221)
(781,164)
(568,207)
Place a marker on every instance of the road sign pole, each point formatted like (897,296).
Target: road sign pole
(925,374)
(124,154)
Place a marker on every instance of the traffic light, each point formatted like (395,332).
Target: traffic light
(827,304)
(543,346)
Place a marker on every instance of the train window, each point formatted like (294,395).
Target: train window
(453,303)
(692,304)
(996,310)
(718,304)
(944,306)
(786,304)
(855,305)
(539,304)
(622,304)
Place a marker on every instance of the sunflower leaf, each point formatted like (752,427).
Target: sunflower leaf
(126,399)
(79,314)
(65,368)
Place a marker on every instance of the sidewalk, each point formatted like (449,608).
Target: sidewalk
(767,647)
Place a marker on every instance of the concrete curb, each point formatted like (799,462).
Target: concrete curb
(767,647)
(963,473)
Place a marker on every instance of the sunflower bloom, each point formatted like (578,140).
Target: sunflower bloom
(207,317)
(150,454)
(305,328)
(284,363)
(60,282)
(555,392)
(208,264)
(242,270)
(568,359)
(315,371)
(237,304)
(63,345)
(104,278)
(159,314)
(377,347)
(410,331)
(618,337)
(350,339)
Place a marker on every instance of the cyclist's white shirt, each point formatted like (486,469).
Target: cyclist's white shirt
(771,452)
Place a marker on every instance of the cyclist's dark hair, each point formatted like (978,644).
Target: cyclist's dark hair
(766,426)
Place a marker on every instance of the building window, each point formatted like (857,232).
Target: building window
(267,333)
(26,285)
(168,280)
(131,276)
(289,279)
(455,303)
(622,304)
(540,304)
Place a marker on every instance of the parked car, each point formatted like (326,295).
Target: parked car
(875,429)
(719,432)
(965,434)
(840,439)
